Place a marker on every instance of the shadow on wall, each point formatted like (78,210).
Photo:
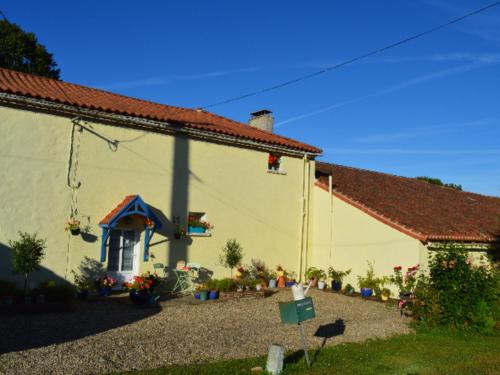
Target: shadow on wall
(178,249)
(23,332)
(34,278)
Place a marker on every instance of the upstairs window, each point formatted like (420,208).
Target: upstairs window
(275,163)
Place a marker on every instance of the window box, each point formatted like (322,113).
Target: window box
(196,230)
(198,224)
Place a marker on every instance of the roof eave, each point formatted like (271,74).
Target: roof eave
(149,124)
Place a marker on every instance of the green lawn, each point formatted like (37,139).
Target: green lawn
(422,353)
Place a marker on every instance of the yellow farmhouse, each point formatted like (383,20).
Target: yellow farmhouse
(133,174)
(70,152)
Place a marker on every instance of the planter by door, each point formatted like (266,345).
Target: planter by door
(336,285)
(366,292)
(272,283)
(290,283)
(140,297)
(321,285)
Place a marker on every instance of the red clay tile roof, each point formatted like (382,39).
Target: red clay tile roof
(85,97)
(422,210)
(117,209)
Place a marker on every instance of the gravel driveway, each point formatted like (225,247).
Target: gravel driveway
(113,335)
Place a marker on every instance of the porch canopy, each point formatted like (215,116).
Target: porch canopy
(131,205)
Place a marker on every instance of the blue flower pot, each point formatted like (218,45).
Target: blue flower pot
(290,283)
(104,292)
(272,283)
(197,295)
(196,230)
(139,297)
(336,285)
(214,294)
(366,292)
(82,294)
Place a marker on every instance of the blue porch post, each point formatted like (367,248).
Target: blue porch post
(104,238)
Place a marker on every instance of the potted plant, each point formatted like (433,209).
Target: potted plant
(272,276)
(82,285)
(385,294)
(73,225)
(314,274)
(150,224)
(407,283)
(290,278)
(337,277)
(203,290)
(232,254)
(348,289)
(104,284)
(213,287)
(180,232)
(141,288)
(370,283)
(281,276)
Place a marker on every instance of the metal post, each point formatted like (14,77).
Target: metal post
(303,339)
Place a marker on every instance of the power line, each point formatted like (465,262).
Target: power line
(352,60)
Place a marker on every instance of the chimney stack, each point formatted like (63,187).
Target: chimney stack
(262,119)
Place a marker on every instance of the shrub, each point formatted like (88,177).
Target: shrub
(258,270)
(222,285)
(7,288)
(28,252)
(81,282)
(231,256)
(457,293)
(55,292)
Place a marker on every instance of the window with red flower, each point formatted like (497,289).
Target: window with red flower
(274,162)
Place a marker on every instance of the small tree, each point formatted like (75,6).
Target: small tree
(231,256)
(28,252)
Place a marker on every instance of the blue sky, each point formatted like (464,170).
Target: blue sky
(430,107)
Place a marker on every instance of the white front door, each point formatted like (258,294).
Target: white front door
(123,255)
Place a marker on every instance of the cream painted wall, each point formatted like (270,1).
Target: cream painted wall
(173,174)
(357,238)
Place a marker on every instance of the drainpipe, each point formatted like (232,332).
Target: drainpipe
(331,213)
(304,212)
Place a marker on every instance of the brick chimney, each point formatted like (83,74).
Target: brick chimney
(262,119)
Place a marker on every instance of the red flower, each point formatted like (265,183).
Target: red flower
(397,268)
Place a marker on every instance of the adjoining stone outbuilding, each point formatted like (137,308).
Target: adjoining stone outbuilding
(364,216)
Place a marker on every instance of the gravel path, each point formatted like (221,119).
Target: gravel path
(113,335)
